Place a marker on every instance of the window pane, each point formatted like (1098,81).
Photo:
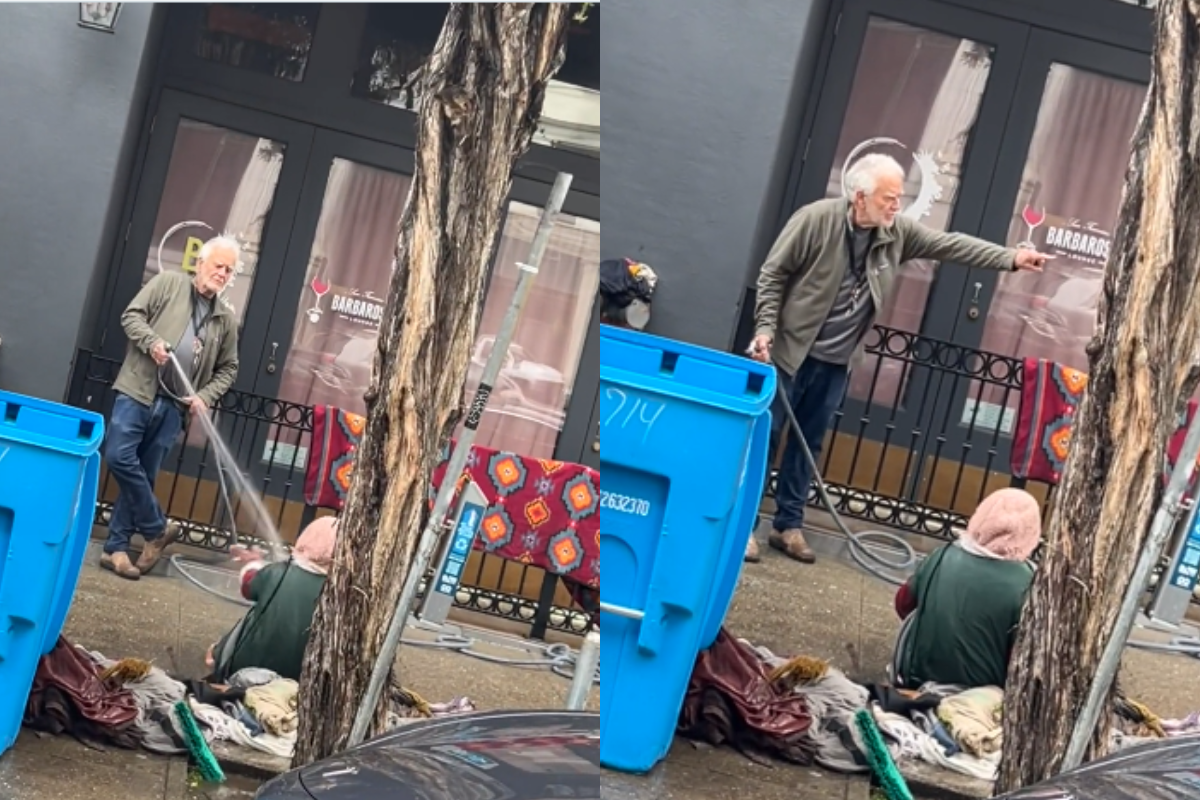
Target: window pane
(337,322)
(527,408)
(218,181)
(400,36)
(916,97)
(271,38)
(1067,206)
(332,352)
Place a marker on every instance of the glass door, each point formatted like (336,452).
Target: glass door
(931,85)
(211,169)
(1058,186)
(317,346)
(544,384)
(318,341)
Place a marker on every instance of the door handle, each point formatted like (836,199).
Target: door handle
(973,310)
(271,358)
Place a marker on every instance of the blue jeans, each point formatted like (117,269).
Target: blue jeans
(139,438)
(815,393)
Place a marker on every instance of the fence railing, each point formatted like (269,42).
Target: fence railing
(270,439)
(923,434)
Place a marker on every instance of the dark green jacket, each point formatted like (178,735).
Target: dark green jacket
(968,610)
(162,310)
(799,282)
(274,634)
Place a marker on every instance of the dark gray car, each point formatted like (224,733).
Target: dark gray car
(507,755)
(1165,770)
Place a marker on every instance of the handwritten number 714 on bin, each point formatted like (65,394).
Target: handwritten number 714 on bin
(640,412)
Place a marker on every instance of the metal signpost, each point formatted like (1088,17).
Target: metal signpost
(1173,594)
(585,672)
(1165,520)
(439,597)
(458,459)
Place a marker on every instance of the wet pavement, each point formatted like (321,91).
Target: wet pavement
(170,622)
(691,773)
(830,610)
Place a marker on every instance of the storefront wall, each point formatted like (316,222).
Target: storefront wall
(1014,129)
(255,132)
(70,98)
(1014,119)
(700,124)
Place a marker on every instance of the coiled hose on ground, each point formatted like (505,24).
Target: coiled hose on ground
(875,564)
(559,658)
(865,556)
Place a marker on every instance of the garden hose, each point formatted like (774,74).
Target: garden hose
(863,555)
(875,564)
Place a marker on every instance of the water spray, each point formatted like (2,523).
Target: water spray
(227,463)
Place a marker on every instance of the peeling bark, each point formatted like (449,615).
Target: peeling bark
(483,87)
(1142,367)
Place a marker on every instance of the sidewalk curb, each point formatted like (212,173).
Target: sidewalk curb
(931,783)
(248,763)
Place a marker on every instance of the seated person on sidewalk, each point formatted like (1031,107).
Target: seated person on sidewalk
(963,605)
(274,633)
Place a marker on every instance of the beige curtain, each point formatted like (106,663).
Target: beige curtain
(923,90)
(528,406)
(1071,188)
(332,351)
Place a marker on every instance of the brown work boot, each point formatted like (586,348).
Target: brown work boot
(792,544)
(120,564)
(752,555)
(154,548)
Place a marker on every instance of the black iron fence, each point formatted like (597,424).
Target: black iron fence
(269,439)
(923,434)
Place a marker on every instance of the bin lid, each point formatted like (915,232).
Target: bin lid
(687,371)
(54,426)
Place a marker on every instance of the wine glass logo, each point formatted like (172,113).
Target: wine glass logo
(1033,219)
(320,289)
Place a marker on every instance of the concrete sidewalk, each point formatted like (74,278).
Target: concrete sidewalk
(829,610)
(171,622)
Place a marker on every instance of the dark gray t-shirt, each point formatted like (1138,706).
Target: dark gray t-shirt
(853,309)
(189,347)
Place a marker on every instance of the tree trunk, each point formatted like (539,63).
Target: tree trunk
(1142,366)
(483,92)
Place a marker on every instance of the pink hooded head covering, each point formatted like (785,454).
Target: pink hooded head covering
(315,546)
(1007,524)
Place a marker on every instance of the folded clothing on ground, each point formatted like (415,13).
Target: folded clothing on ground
(274,706)
(973,718)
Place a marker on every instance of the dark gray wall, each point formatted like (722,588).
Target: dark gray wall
(71,98)
(699,122)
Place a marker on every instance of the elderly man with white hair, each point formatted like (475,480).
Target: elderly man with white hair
(177,314)
(829,273)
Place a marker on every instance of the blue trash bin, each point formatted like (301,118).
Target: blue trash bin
(49,476)
(679,448)
(743,520)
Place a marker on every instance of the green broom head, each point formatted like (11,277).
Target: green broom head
(884,768)
(193,740)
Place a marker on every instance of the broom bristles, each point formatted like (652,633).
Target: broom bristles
(890,780)
(193,740)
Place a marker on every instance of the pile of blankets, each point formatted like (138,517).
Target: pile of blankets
(130,704)
(802,710)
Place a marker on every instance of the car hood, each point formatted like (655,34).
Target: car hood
(491,756)
(1156,771)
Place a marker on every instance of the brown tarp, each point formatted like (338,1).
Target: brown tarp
(731,701)
(69,697)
